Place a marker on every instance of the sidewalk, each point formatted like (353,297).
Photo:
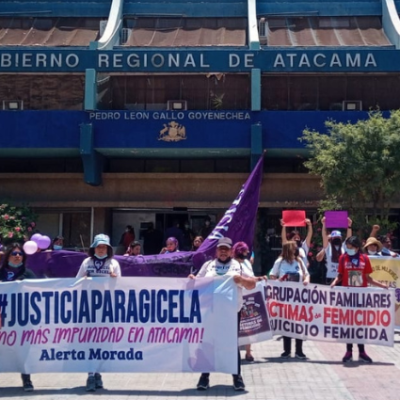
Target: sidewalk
(322,376)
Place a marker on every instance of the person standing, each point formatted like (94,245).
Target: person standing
(100,263)
(332,249)
(197,241)
(127,238)
(152,240)
(13,269)
(290,267)
(355,270)
(207,228)
(187,237)
(224,264)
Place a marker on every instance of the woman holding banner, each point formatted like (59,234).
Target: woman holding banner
(100,263)
(224,264)
(13,269)
(354,270)
(290,267)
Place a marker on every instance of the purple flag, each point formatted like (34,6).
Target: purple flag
(239,220)
(238,223)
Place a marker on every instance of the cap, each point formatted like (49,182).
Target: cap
(336,234)
(100,239)
(225,242)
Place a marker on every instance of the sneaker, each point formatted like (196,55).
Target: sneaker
(203,383)
(98,381)
(300,355)
(27,383)
(365,357)
(249,358)
(91,384)
(238,383)
(285,354)
(348,357)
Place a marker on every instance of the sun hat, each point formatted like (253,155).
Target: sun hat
(375,241)
(100,239)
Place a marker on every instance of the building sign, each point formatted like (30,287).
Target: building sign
(199,60)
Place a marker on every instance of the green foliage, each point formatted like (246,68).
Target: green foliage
(16,223)
(359,165)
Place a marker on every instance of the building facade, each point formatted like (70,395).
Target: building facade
(125,112)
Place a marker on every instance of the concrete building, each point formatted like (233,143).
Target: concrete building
(124,112)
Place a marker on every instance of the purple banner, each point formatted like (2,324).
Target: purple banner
(239,220)
(65,264)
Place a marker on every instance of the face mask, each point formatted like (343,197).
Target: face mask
(337,248)
(241,256)
(12,265)
(298,243)
(351,252)
(57,247)
(101,257)
(372,253)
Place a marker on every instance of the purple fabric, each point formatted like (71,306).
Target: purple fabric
(238,222)
(65,264)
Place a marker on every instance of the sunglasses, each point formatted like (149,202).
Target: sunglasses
(17,253)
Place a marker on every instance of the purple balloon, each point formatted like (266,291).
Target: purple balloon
(44,242)
(36,237)
(30,247)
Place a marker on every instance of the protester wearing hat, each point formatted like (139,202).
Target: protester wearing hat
(332,249)
(373,247)
(100,263)
(225,265)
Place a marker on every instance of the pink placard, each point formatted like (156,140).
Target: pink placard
(294,217)
(336,219)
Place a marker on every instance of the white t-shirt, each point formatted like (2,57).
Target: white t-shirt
(94,267)
(332,267)
(282,267)
(216,268)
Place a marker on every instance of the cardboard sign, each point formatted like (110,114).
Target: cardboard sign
(336,219)
(294,217)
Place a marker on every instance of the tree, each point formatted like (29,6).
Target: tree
(359,165)
(16,223)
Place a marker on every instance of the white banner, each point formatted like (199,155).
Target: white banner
(339,314)
(119,325)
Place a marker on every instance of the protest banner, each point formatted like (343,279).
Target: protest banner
(254,322)
(339,314)
(115,325)
(387,270)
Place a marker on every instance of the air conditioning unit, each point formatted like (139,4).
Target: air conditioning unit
(178,105)
(13,105)
(102,27)
(262,28)
(351,105)
(125,33)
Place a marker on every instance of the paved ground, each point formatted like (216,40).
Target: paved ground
(322,376)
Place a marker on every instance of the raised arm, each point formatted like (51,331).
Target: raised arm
(283,233)
(374,231)
(325,237)
(309,233)
(349,229)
